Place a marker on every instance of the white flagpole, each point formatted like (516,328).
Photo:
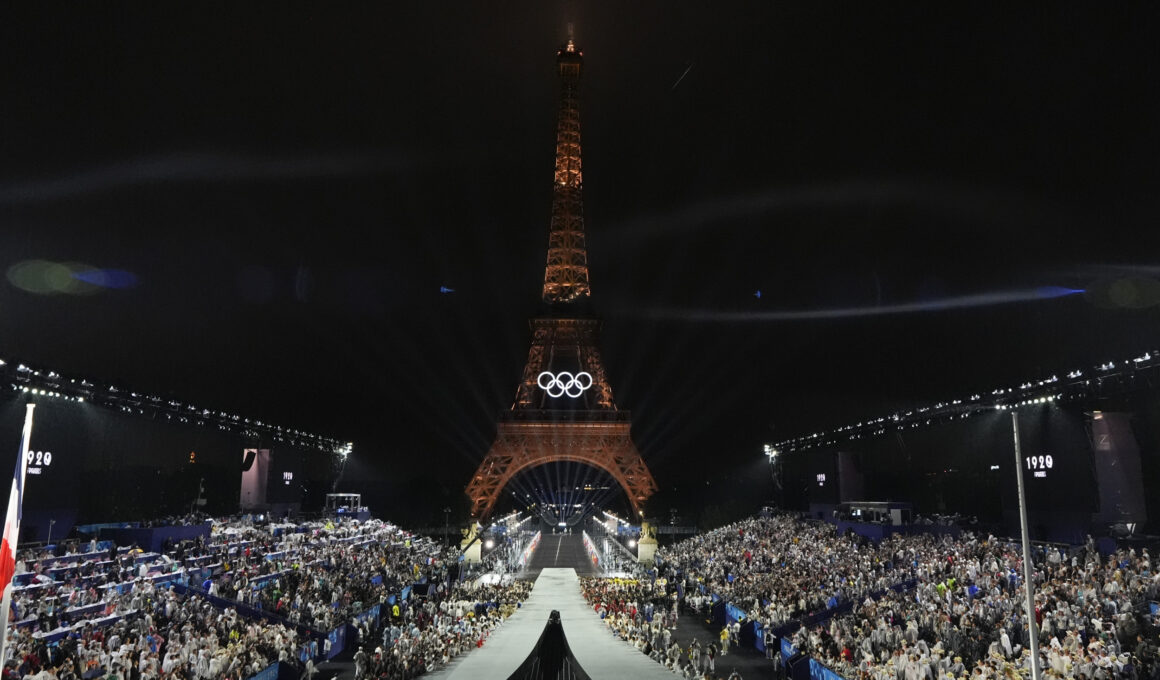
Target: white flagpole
(22,467)
(1028,567)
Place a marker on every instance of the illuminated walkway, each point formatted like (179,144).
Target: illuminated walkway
(602,655)
(561,551)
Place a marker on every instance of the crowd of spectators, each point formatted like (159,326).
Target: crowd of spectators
(781,569)
(644,613)
(908,607)
(172,636)
(257,594)
(926,607)
(967,617)
(430,636)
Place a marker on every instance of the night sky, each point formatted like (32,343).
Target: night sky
(290,189)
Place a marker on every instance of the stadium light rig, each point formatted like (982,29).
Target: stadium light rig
(1108,377)
(36,392)
(44,383)
(1028,402)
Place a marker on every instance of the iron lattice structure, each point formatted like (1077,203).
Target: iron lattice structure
(541,428)
(559,343)
(566,274)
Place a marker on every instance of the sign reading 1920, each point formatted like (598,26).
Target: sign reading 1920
(564,383)
(36,459)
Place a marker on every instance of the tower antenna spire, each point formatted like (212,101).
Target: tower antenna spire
(566,272)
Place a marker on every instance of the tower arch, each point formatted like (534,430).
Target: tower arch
(519,446)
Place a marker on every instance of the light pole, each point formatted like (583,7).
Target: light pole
(446,527)
(1028,569)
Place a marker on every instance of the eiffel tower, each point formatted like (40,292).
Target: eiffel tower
(563,409)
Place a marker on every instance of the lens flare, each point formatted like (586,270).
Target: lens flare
(958,302)
(1129,292)
(43,277)
(107,278)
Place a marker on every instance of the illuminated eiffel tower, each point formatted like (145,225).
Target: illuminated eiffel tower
(564,410)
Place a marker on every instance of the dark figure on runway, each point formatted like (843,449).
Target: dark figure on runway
(551,658)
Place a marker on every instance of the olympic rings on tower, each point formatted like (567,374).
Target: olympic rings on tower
(562,383)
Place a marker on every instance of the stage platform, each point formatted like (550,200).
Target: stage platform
(602,655)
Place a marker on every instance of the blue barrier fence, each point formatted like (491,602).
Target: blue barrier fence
(747,636)
(152,538)
(371,615)
(89,529)
(787,650)
(337,638)
(61,633)
(798,667)
(733,613)
(717,611)
(820,672)
(308,651)
(268,673)
(276,671)
(262,581)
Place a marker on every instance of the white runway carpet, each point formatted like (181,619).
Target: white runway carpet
(601,654)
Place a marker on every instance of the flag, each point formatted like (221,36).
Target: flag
(12,532)
(15,503)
